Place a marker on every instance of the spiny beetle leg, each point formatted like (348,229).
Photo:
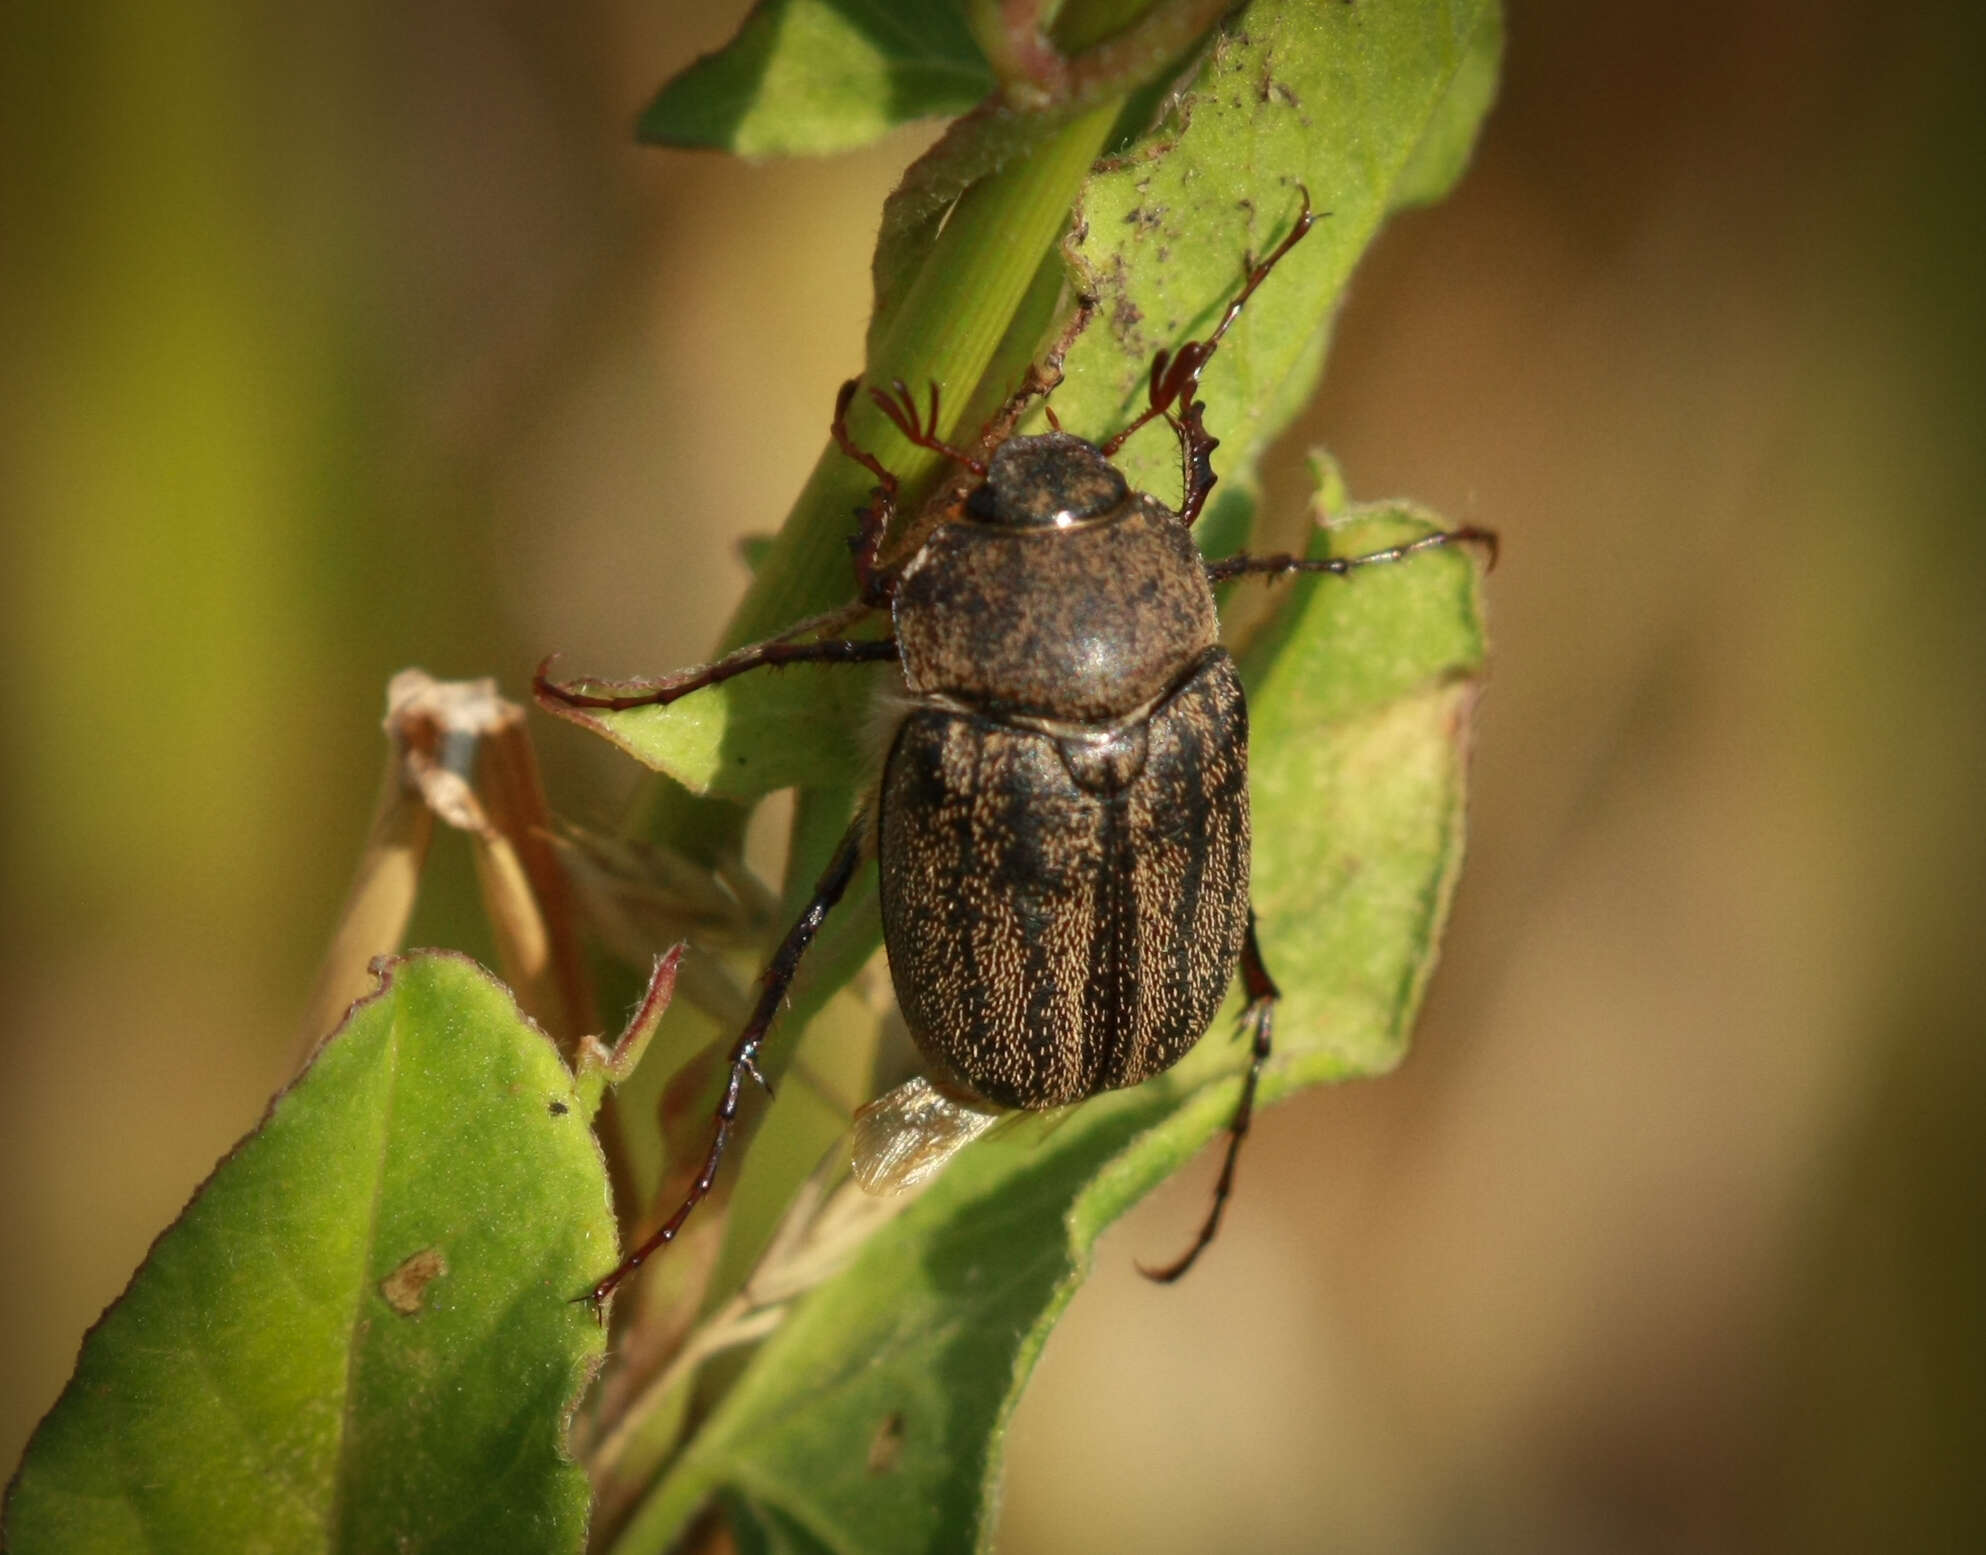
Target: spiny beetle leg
(1284,564)
(1196,460)
(1258,1019)
(1043,379)
(778,978)
(834,650)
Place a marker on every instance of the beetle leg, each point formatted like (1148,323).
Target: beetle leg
(1175,380)
(876,585)
(1258,1019)
(1282,565)
(774,984)
(1196,459)
(660,693)
(1043,378)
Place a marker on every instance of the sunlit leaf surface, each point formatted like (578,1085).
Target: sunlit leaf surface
(360,1336)
(806,77)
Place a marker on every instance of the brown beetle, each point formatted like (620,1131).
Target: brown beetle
(1061,823)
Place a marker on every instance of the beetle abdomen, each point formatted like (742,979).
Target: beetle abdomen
(1064,912)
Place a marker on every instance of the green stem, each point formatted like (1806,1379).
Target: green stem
(944,332)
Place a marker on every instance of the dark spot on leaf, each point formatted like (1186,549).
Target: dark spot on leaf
(407,1285)
(1269,89)
(558,1108)
(886,1446)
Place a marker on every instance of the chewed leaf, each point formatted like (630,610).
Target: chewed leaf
(807,77)
(360,1335)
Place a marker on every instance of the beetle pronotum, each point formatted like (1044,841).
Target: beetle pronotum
(1061,822)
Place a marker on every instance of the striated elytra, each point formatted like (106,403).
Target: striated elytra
(1063,816)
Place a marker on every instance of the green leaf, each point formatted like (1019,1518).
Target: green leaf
(806,77)
(763,1531)
(360,1335)
(1360,829)
(800,725)
(1360,696)
(1337,99)
(1443,154)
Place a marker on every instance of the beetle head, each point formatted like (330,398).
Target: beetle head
(1051,481)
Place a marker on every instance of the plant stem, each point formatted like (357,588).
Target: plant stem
(944,332)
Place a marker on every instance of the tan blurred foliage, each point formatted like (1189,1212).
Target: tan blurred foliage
(345,340)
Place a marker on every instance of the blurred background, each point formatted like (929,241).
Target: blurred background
(339,339)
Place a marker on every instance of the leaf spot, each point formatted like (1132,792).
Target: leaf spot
(886,1446)
(407,1285)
